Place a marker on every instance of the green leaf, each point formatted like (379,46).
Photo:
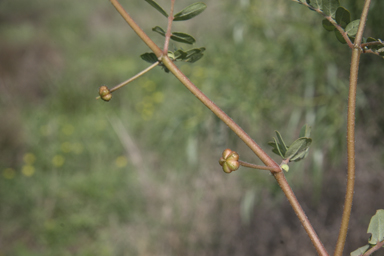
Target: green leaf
(278,147)
(157,7)
(317,4)
(329,7)
(352,27)
(298,149)
(283,147)
(376,227)
(328,25)
(343,17)
(195,57)
(340,37)
(360,251)
(190,11)
(305,131)
(159,30)
(183,38)
(180,55)
(149,57)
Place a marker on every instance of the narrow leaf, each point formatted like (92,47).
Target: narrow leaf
(278,148)
(157,7)
(352,27)
(159,30)
(283,147)
(195,57)
(305,131)
(149,57)
(190,11)
(183,38)
(329,7)
(360,251)
(376,227)
(328,25)
(298,148)
(343,17)
(180,54)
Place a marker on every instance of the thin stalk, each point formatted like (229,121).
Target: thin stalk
(168,33)
(259,167)
(374,248)
(134,77)
(351,132)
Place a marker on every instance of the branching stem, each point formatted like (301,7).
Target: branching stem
(264,157)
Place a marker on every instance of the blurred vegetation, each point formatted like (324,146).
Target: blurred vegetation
(140,175)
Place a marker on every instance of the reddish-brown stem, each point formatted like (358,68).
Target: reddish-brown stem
(259,167)
(136,28)
(264,157)
(374,248)
(168,33)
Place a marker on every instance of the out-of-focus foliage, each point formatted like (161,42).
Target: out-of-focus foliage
(72,180)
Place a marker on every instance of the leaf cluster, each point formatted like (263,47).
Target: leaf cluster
(338,20)
(296,151)
(187,13)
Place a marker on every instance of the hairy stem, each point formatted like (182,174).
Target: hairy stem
(351,132)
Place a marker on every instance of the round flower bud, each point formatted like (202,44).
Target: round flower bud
(229,161)
(104,93)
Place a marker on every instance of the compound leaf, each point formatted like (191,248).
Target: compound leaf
(157,7)
(190,11)
(376,227)
(183,38)
(352,27)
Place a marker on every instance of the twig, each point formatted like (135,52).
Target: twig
(260,167)
(168,33)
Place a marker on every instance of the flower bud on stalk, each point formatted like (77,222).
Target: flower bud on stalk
(229,161)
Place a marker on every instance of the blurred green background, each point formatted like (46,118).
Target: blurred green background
(139,175)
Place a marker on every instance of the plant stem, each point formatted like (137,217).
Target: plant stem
(259,167)
(356,51)
(374,248)
(156,50)
(264,157)
(134,77)
(168,34)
